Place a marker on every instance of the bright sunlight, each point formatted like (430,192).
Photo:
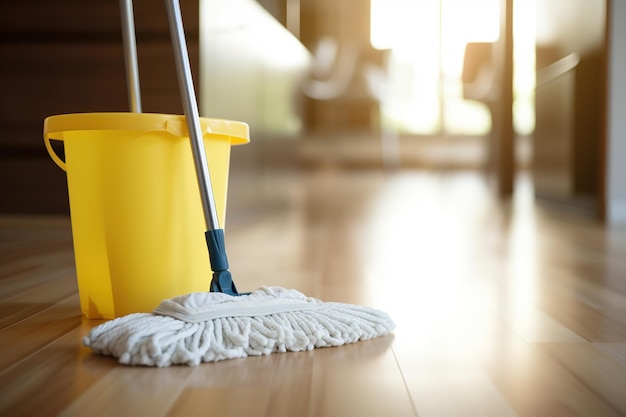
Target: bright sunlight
(427,41)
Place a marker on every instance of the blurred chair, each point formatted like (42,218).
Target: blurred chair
(334,72)
(479,73)
(377,78)
(480,84)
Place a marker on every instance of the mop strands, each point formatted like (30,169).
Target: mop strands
(212,326)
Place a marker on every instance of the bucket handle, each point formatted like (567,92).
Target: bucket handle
(53,154)
(176,128)
(173,127)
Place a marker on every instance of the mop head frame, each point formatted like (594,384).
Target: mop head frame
(209,327)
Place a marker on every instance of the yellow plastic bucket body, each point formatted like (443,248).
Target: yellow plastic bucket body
(137,220)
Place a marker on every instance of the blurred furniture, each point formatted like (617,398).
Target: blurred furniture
(337,94)
(479,78)
(377,79)
(479,75)
(340,75)
(568,160)
(488,77)
(332,70)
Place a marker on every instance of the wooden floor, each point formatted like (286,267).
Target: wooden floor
(502,309)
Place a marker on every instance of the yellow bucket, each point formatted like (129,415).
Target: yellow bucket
(137,220)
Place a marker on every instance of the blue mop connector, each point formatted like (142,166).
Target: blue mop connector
(222,279)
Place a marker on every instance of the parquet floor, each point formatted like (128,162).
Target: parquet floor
(502,309)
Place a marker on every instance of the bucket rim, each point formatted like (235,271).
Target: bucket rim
(54,126)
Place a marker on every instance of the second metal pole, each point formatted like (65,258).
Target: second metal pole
(130,55)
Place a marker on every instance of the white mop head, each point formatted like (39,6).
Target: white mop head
(208,327)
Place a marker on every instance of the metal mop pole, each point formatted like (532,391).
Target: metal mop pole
(222,280)
(130,55)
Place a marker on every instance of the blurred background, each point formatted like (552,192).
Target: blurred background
(497,86)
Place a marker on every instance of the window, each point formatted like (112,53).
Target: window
(427,40)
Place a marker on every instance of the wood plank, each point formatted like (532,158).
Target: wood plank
(616,351)
(595,369)
(537,385)
(292,385)
(238,387)
(131,391)
(51,378)
(439,355)
(36,332)
(300,384)
(37,299)
(442,386)
(226,402)
(607,324)
(535,326)
(354,380)
(32,274)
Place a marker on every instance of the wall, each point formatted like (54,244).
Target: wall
(251,68)
(66,56)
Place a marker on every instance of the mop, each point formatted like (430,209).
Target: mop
(222,324)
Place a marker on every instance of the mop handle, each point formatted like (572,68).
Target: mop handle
(130,55)
(190,108)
